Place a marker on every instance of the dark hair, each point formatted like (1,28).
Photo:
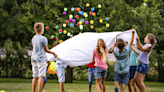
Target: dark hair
(151,37)
(38,27)
(120,44)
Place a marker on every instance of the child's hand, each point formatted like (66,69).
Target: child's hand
(137,38)
(70,66)
(55,55)
(133,31)
(48,61)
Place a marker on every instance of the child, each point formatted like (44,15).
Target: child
(59,67)
(38,58)
(133,66)
(143,59)
(121,52)
(99,58)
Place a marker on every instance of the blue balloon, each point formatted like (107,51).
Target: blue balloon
(81,12)
(106,18)
(81,20)
(72,9)
(71,25)
(92,9)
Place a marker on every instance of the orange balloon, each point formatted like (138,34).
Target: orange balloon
(78,9)
(94,14)
(91,26)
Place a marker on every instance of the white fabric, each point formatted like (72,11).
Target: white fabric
(78,50)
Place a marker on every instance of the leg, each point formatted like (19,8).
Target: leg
(90,86)
(98,85)
(62,87)
(103,83)
(116,85)
(141,82)
(90,78)
(136,77)
(134,85)
(129,86)
(122,87)
(40,84)
(34,82)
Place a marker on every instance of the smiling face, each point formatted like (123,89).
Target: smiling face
(146,40)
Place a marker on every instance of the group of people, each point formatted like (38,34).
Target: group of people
(137,66)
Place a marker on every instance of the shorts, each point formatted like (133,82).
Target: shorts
(38,68)
(132,71)
(121,78)
(91,73)
(60,71)
(143,68)
(100,73)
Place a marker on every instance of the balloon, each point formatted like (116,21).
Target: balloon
(87,4)
(56,27)
(78,9)
(92,9)
(70,16)
(86,15)
(72,9)
(64,25)
(52,36)
(56,38)
(66,21)
(91,22)
(73,20)
(60,41)
(107,19)
(94,14)
(60,31)
(64,13)
(87,22)
(75,9)
(51,68)
(71,35)
(99,6)
(81,27)
(90,12)
(107,25)
(2,91)
(71,25)
(68,34)
(80,33)
(80,22)
(101,21)
(81,12)
(91,26)
(70,20)
(65,9)
(77,16)
(65,31)
(47,27)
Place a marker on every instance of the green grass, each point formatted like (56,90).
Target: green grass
(76,86)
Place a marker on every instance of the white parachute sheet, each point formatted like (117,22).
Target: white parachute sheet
(78,50)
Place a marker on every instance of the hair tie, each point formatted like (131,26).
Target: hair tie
(155,40)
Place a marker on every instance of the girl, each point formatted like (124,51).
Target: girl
(143,59)
(99,58)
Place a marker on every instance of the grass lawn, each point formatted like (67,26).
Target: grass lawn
(76,86)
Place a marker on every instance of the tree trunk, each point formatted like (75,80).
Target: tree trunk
(69,75)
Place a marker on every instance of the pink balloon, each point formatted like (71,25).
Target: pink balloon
(70,20)
(73,20)
(64,13)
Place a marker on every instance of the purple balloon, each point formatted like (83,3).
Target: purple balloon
(64,13)
(73,20)
(86,22)
(70,20)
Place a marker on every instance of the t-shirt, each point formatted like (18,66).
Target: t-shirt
(38,43)
(144,55)
(91,65)
(133,58)
(122,60)
(98,62)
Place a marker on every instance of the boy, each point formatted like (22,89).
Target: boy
(121,52)
(38,58)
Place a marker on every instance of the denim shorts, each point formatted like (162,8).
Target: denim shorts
(132,71)
(143,68)
(91,73)
(60,71)
(100,73)
(121,78)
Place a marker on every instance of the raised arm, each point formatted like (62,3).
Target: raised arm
(93,59)
(140,46)
(110,51)
(132,38)
(48,51)
(135,50)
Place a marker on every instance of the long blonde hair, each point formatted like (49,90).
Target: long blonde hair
(102,50)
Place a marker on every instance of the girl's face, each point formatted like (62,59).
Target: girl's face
(146,40)
(136,46)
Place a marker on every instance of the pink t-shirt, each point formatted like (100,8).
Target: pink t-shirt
(98,62)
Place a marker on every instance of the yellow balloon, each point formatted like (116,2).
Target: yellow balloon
(71,16)
(60,41)
(2,91)
(65,31)
(80,22)
(64,25)
(84,13)
(91,22)
(87,4)
(80,33)
(52,66)
(99,6)
(107,25)
(101,21)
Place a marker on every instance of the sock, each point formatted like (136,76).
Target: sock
(101,87)
(89,90)
(116,89)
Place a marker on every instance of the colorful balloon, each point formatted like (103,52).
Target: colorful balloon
(75,9)
(56,38)
(81,27)
(99,6)
(70,16)
(91,22)
(60,30)
(101,21)
(71,25)
(47,27)
(72,9)
(65,9)
(90,12)
(68,34)
(64,25)
(87,4)
(56,27)
(64,13)
(91,26)
(60,41)
(107,19)
(92,9)
(107,25)
(94,14)
(86,15)
(71,35)
(78,9)
(86,22)
(52,36)
(70,20)
(65,31)
(77,16)
(66,21)
(80,22)
(73,20)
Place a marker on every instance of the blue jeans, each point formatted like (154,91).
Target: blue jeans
(91,73)
(121,78)
(100,73)
(143,68)
(132,71)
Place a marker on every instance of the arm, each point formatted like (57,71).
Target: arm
(31,43)
(48,51)
(131,41)
(93,59)
(140,46)
(110,51)
(135,50)
(125,44)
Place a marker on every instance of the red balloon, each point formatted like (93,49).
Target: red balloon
(78,23)
(75,9)
(47,27)
(51,38)
(90,13)
(77,16)
(60,30)
(56,38)
(66,21)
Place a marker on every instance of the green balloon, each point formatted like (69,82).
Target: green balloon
(52,36)
(65,9)
(86,15)
(60,32)
(56,27)
(68,34)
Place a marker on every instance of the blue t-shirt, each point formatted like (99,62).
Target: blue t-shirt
(133,59)
(38,43)
(122,60)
